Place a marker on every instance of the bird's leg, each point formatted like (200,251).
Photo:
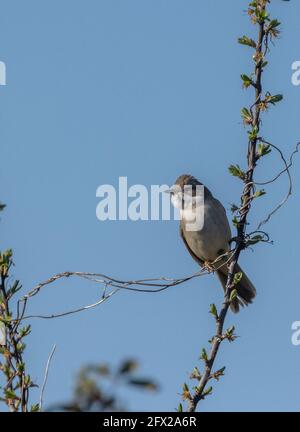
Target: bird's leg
(208,266)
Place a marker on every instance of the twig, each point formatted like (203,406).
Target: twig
(282,171)
(46,377)
(74,311)
(117,284)
(287,170)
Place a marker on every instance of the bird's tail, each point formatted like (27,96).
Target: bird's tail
(245,289)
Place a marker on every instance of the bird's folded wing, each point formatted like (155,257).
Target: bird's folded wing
(198,260)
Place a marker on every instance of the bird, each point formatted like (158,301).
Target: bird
(208,239)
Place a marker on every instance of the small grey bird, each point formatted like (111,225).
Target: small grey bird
(211,239)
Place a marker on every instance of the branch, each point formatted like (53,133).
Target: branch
(46,377)
(266,28)
(285,170)
(157,285)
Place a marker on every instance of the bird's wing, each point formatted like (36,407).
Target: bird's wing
(198,260)
(223,220)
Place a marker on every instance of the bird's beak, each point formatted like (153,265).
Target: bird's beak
(168,191)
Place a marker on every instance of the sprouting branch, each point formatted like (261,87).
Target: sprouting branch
(267,30)
(17,381)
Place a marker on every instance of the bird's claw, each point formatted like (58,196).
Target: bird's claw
(208,266)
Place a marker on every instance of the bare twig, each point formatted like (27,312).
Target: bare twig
(287,166)
(157,284)
(287,171)
(74,311)
(46,377)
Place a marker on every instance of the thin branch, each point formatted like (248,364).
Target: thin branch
(46,377)
(127,284)
(74,311)
(118,284)
(287,171)
(282,171)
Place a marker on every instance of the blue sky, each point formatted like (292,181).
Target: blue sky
(148,90)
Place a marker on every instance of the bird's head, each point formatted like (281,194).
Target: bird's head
(184,190)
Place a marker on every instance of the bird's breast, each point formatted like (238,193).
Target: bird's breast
(207,242)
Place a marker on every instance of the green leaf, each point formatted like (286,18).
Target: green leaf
(263,150)
(247,81)
(255,239)
(14,289)
(25,331)
(230,330)
(236,171)
(20,367)
(27,380)
(204,355)
(259,193)
(180,408)
(221,371)
(195,374)
(262,14)
(185,387)
(275,99)
(235,221)
(245,40)
(237,278)
(233,295)
(6,318)
(246,116)
(10,394)
(274,23)
(34,408)
(213,310)
(5,261)
(208,391)
(229,334)
(273,29)
(234,208)
(144,383)
(186,392)
(216,375)
(21,347)
(128,366)
(253,133)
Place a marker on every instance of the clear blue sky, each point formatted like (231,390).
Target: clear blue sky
(148,90)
